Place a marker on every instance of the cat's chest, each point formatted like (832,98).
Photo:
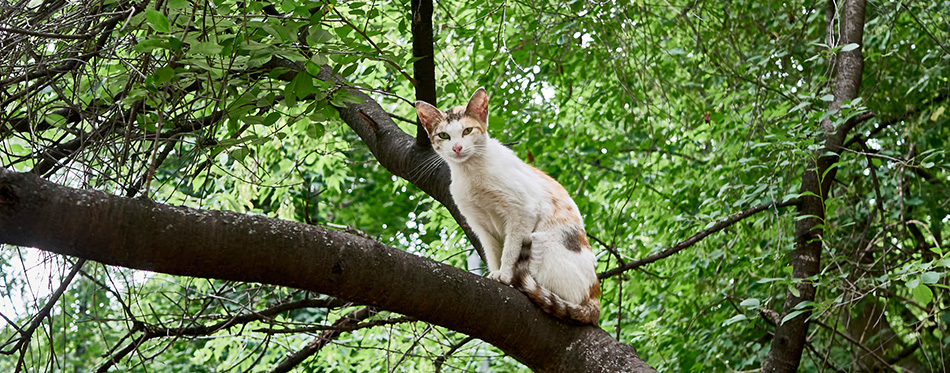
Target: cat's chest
(485,186)
(496,194)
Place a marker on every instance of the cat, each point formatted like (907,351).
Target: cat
(531,229)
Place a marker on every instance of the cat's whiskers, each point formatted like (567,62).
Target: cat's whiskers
(424,168)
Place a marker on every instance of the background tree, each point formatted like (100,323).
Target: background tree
(790,154)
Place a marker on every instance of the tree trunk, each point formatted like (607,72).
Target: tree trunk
(141,234)
(424,67)
(789,341)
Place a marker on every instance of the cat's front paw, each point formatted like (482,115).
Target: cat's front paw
(503,277)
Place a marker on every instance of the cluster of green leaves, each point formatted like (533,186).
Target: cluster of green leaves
(665,118)
(659,118)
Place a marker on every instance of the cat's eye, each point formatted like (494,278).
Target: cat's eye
(444,136)
(467,131)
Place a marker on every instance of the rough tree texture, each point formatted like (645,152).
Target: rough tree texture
(399,152)
(424,67)
(141,234)
(789,342)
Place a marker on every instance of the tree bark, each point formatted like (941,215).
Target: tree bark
(398,152)
(424,66)
(142,234)
(789,341)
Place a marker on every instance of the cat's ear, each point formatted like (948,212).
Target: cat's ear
(429,115)
(478,105)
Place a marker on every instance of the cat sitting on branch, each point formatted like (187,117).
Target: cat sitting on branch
(531,229)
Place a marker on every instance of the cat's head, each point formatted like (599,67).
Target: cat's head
(459,133)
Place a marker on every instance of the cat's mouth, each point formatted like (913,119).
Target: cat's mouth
(459,157)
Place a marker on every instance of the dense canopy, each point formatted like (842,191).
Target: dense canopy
(225,185)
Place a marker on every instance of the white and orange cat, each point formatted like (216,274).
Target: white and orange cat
(532,231)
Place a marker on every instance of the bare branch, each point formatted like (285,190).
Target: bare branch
(27,334)
(694,238)
(345,323)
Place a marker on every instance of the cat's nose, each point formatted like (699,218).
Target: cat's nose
(457,148)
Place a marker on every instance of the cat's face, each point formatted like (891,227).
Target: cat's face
(459,133)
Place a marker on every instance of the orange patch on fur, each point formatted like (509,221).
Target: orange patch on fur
(594,290)
(582,238)
(564,212)
(468,121)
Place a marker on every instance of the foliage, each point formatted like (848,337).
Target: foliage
(660,118)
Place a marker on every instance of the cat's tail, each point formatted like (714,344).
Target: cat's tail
(587,312)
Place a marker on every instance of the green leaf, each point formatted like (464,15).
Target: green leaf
(792,315)
(319,59)
(734,319)
(303,84)
(271,118)
(164,74)
(55,120)
(349,70)
(239,153)
(913,283)
(290,99)
(148,45)
(319,36)
(849,47)
(936,114)
(930,277)
(206,47)
(923,295)
(750,303)
(804,305)
(316,130)
(177,4)
(157,21)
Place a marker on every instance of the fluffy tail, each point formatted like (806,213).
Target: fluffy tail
(587,312)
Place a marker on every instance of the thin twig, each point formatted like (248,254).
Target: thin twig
(858,343)
(694,239)
(441,359)
(44,34)
(380,51)
(341,328)
(27,334)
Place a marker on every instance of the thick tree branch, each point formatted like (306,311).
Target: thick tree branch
(139,233)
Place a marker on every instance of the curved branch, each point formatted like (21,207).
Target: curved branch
(398,151)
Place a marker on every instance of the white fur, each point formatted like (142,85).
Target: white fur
(563,272)
(504,200)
